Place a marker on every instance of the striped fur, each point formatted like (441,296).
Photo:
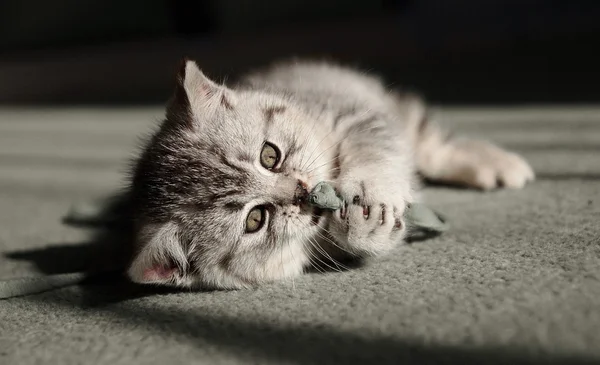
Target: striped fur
(200,174)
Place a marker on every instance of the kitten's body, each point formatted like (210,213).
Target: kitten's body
(201,175)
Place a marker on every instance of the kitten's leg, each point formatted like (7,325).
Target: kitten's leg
(376,181)
(455,160)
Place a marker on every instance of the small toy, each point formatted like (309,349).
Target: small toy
(324,196)
(417,216)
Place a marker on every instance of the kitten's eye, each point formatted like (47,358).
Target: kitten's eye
(269,156)
(255,219)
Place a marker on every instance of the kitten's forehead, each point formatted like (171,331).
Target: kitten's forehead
(240,134)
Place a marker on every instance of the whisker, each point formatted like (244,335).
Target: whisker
(305,145)
(333,130)
(281,249)
(324,252)
(293,261)
(337,143)
(311,257)
(327,238)
(332,242)
(314,264)
(334,261)
(315,246)
(327,135)
(379,159)
(314,149)
(339,167)
(326,163)
(323,164)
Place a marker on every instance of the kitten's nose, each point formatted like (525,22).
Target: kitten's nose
(301,193)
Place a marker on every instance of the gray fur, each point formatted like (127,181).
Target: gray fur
(200,175)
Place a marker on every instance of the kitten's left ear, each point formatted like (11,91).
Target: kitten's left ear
(203,94)
(161,259)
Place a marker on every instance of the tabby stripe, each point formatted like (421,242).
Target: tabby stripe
(234,206)
(225,261)
(232,166)
(366,121)
(344,113)
(271,111)
(226,103)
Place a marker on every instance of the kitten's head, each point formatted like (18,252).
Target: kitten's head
(220,191)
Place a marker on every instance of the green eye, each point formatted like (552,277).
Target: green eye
(255,219)
(269,156)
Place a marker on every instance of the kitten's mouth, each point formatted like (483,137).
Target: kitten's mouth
(316,215)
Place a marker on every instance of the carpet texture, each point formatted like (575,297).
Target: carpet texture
(515,280)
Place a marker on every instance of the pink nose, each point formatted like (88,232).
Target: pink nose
(301,193)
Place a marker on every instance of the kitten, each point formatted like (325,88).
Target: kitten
(220,190)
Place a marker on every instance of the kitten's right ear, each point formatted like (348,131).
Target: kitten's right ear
(196,96)
(200,95)
(198,88)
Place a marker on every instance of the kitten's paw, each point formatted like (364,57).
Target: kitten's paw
(483,165)
(370,222)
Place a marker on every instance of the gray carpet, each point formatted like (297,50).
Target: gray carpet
(516,280)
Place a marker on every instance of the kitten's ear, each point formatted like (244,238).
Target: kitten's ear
(161,259)
(196,97)
(202,93)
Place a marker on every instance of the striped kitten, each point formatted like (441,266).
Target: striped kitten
(220,190)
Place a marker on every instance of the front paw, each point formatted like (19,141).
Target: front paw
(369,223)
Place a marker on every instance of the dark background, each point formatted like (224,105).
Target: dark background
(462,51)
